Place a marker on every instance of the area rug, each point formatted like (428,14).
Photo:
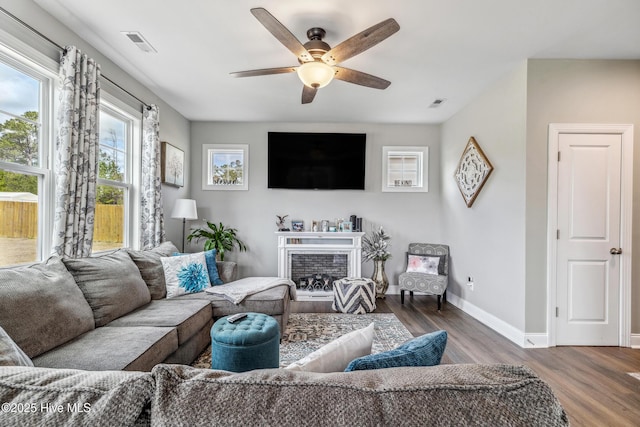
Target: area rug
(306,332)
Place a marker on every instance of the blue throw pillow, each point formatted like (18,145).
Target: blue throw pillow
(425,350)
(212,267)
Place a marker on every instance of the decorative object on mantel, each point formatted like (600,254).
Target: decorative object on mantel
(185,209)
(472,172)
(297,225)
(375,247)
(280,222)
(218,237)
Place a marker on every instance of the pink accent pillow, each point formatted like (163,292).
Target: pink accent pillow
(422,264)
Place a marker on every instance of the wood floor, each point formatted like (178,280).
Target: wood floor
(592,383)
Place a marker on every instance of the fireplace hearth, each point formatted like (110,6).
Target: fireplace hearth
(313,260)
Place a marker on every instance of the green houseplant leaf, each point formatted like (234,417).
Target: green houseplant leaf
(218,237)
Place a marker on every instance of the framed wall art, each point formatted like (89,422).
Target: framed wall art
(473,171)
(172,165)
(225,167)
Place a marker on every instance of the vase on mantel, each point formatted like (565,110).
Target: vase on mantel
(380,278)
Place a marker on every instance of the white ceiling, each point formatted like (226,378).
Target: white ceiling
(444,49)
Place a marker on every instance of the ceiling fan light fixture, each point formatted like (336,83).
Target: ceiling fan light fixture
(315,74)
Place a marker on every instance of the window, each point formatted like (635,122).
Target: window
(115,195)
(404,169)
(225,167)
(28,80)
(25,137)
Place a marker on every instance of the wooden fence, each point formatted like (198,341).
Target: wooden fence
(20,220)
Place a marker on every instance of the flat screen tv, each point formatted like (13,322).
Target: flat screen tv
(318,161)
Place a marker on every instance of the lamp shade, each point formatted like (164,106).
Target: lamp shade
(315,74)
(185,208)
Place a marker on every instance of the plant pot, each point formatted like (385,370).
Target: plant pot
(380,278)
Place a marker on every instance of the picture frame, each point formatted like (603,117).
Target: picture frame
(472,172)
(346,226)
(297,225)
(172,165)
(405,169)
(225,167)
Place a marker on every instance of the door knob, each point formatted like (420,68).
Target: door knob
(614,251)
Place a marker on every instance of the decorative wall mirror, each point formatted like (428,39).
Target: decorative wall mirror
(405,169)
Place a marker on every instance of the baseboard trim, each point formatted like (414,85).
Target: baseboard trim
(635,341)
(503,328)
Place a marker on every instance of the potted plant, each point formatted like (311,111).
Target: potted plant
(375,247)
(218,237)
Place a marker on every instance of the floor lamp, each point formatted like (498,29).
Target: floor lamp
(185,209)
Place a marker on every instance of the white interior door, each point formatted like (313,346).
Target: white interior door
(589,207)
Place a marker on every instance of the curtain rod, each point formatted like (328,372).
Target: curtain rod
(33,30)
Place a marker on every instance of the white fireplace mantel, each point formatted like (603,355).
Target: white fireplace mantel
(313,242)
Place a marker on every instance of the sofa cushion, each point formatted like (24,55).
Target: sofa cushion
(86,398)
(336,355)
(150,266)
(464,395)
(134,348)
(111,283)
(41,306)
(10,353)
(425,350)
(187,316)
(185,274)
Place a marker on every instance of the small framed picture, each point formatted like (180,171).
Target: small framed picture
(315,225)
(297,225)
(345,226)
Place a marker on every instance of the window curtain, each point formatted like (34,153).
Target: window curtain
(152,217)
(77,150)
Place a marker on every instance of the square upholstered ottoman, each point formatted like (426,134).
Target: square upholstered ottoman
(354,295)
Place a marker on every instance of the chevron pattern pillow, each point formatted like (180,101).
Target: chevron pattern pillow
(354,295)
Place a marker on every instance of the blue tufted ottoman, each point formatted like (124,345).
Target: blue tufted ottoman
(250,343)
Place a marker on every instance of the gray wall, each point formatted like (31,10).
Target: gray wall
(487,240)
(573,91)
(173,126)
(407,217)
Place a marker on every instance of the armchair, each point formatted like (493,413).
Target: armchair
(418,279)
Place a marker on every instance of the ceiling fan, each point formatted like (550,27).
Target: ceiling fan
(318,61)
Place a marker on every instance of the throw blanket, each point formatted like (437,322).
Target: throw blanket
(240,289)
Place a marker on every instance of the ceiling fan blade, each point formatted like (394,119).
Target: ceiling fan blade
(264,72)
(281,32)
(361,42)
(360,78)
(308,93)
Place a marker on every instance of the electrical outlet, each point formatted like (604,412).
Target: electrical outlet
(470,282)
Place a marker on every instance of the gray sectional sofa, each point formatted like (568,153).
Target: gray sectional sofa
(175,395)
(110,312)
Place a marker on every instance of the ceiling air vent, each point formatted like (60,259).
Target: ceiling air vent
(437,102)
(138,39)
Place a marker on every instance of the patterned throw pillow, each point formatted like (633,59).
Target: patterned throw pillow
(425,350)
(185,274)
(422,264)
(212,267)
